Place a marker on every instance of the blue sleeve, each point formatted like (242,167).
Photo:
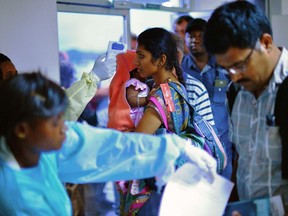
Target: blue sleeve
(92,154)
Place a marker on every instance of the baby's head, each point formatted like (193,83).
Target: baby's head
(134,74)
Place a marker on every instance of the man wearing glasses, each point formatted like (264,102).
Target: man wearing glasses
(202,66)
(240,66)
(240,36)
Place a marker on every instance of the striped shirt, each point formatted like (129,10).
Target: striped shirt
(199,98)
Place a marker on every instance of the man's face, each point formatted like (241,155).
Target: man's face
(8,69)
(247,67)
(194,42)
(133,44)
(180,29)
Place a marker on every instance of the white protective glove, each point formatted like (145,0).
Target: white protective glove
(104,68)
(199,157)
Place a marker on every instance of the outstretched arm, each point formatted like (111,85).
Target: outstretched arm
(82,91)
(92,154)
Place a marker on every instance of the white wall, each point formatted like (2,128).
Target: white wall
(277,12)
(284,7)
(29,35)
(206,5)
(210,5)
(280,30)
(278,18)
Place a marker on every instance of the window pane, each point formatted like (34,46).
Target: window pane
(170,3)
(144,19)
(85,36)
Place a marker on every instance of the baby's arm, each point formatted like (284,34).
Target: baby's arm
(133,99)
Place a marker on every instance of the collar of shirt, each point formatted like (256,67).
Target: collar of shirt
(7,155)
(211,64)
(280,71)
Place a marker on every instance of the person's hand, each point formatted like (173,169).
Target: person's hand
(104,68)
(202,160)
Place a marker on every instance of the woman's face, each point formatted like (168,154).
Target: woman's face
(8,70)
(145,65)
(46,134)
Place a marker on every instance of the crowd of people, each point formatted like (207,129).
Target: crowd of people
(42,142)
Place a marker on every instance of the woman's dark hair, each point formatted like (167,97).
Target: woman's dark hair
(26,97)
(237,24)
(179,42)
(159,41)
(3,58)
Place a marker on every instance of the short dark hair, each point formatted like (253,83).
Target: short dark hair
(183,18)
(26,97)
(179,42)
(196,25)
(3,58)
(133,36)
(236,24)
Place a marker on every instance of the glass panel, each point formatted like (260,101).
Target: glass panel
(144,19)
(84,36)
(170,3)
(201,14)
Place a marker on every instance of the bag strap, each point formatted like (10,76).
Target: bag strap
(231,94)
(200,120)
(162,113)
(160,108)
(206,124)
(280,112)
(184,98)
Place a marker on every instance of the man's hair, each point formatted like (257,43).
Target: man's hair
(183,18)
(133,36)
(179,42)
(196,25)
(3,58)
(237,24)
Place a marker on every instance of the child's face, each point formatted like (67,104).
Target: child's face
(135,74)
(44,135)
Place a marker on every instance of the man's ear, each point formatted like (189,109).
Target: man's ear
(266,42)
(21,130)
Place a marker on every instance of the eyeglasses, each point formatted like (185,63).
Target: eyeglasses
(240,67)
